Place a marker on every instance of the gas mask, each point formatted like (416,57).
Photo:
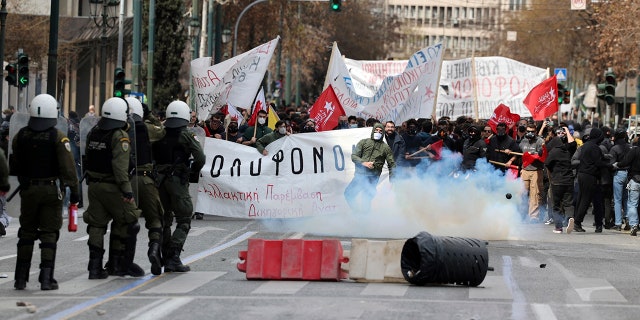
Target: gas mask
(412,131)
(233,128)
(501,131)
(530,135)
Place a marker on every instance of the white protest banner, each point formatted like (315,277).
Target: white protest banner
(367,75)
(497,80)
(304,174)
(236,80)
(410,94)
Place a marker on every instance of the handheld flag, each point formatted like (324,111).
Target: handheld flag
(233,112)
(502,113)
(259,104)
(542,100)
(272,118)
(326,111)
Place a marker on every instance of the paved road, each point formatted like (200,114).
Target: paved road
(538,275)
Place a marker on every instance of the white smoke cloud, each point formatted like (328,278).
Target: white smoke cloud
(435,198)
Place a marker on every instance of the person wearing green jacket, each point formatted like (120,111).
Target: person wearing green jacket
(281,131)
(369,157)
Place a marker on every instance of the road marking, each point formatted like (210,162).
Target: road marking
(8,257)
(77,285)
(385,289)
(543,311)
(79,308)
(492,287)
(197,231)
(158,309)
(519,301)
(280,287)
(591,289)
(185,282)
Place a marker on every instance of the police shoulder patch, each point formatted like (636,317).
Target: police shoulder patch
(67,145)
(125,145)
(196,138)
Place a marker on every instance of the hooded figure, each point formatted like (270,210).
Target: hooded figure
(369,157)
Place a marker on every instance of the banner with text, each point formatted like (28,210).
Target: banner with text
(498,81)
(236,80)
(304,174)
(489,82)
(410,94)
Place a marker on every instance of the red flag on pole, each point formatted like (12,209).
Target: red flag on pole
(502,113)
(437,148)
(326,110)
(528,158)
(260,104)
(542,100)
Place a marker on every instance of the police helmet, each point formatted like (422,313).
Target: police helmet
(178,114)
(44,112)
(135,108)
(113,114)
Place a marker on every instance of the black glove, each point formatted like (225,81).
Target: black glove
(127,195)
(74,197)
(145,111)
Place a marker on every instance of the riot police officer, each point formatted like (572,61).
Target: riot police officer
(177,155)
(44,165)
(110,192)
(148,129)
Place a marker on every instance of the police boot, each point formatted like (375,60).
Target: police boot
(47,282)
(95,264)
(166,244)
(22,274)
(154,258)
(126,266)
(110,266)
(173,263)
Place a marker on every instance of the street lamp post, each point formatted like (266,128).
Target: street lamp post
(3,20)
(104,24)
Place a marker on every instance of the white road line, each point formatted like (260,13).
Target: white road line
(8,257)
(493,287)
(543,311)
(185,282)
(280,287)
(385,289)
(159,309)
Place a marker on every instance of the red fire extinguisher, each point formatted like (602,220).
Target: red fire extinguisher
(73,217)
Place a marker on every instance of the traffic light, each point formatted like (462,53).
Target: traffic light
(12,77)
(335,5)
(567,96)
(561,92)
(607,90)
(119,83)
(23,70)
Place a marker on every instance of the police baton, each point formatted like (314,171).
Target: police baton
(13,194)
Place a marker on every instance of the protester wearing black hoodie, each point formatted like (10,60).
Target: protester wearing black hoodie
(591,163)
(558,164)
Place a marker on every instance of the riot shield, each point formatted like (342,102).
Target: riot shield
(86,124)
(63,125)
(18,121)
(200,134)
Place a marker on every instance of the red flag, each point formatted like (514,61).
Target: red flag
(326,111)
(528,158)
(502,113)
(260,104)
(542,100)
(437,148)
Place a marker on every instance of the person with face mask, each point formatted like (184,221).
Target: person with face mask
(257,131)
(500,147)
(532,175)
(473,148)
(309,126)
(413,142)
(591,162)
(369,156)
(281,131)
(233,133)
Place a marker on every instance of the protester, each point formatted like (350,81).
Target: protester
(532,174)
(281,131)
(500,147)
(618,151)
(369,157)
(558,165)
(473,148)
